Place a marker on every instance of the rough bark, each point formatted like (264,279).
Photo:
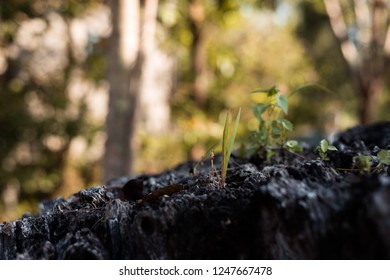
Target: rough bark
(365,45)
(293,208)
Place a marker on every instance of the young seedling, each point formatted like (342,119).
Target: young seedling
(363,163)
(384,159)
(273,127)
(323,148)
(293,146)
(227,144)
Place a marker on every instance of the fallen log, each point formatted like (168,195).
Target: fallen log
(291,208)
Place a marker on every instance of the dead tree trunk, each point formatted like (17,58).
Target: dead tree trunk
(290,209)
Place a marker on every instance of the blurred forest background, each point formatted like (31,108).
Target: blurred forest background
(95,89)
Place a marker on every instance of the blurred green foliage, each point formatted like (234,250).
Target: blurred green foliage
(273,127)
(38,120)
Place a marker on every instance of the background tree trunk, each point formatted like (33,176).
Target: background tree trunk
(122,52)
(198,52)
(158,77)
(131,42)
(365,46)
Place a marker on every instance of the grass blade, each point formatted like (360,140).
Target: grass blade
(224,147)
(227,143)
(314,85)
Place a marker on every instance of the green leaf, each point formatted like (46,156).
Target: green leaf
(224,145)
(293,145)
(313,85)
(225,136)
(277,123)
(287,124)
(384,157)
(364,163)
(262,134)
(227,142)
(323,155)
(282,103)
(332,148)
(270,154)
(259,109)
(233,135)
(272,91)
(275,131)
(324,145)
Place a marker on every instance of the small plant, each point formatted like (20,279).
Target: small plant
(384,159)
(323,148)
(273,126)
(363,163)
(293,146)
(227,144)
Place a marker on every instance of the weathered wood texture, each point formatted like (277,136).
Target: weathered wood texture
(295,209)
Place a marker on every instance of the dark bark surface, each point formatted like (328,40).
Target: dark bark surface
(292,208)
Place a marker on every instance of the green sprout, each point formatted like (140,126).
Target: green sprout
(293,146)
(273,127)
(384,159)
(323,148)
(227,144)
(363,163)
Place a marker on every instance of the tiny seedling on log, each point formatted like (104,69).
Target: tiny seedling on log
(273,128)
(227,144)
(364,163)
(323,149)
(384,159)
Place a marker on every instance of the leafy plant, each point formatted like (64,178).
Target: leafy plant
(363,163)
(293,146)
(323,149)
(384,159)
(273,127)
(227,144)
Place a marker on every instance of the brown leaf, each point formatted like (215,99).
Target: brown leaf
(133,189)
(169,190)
